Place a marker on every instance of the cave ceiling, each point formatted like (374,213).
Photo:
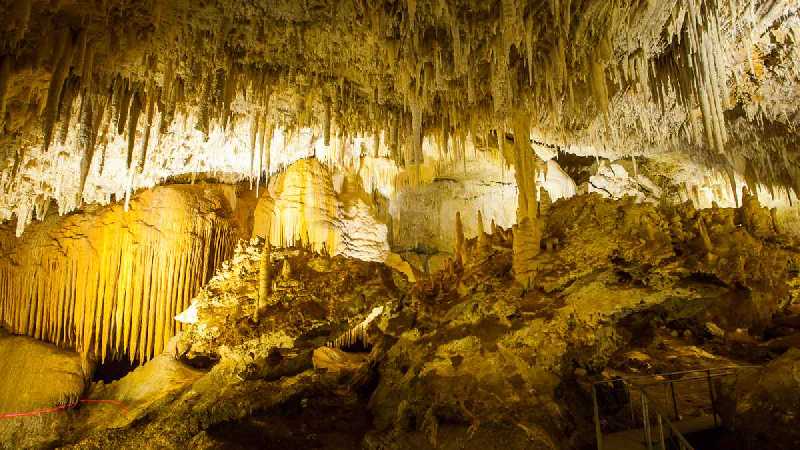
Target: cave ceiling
(715,82)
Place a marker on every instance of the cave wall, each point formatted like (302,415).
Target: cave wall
(423,216)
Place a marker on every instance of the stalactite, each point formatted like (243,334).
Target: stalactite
(21,17)
(326,123)
(147,130)
(70,90)
(416,134)
(115,94)
(266,155)
(254,132)
(86,142)
(63,54)
(358,333)
(106,126)
(133,121)
(167,101)
(441,69)
(206,103)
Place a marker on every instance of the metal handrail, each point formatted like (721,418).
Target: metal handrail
(682,441)
(649,404)
(684,372)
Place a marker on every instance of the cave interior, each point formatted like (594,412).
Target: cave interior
(400,224)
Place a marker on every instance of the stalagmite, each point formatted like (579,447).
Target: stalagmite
(396,94)
(484,244)
(704,237)
(286,270)
(264,279)
(544,202)
(460,256)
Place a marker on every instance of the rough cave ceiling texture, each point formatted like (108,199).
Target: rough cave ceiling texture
(118,94)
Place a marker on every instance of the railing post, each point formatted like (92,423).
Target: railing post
(713,399)
(646,420)
(598,431)
(661,433)
(674,400)
(630,404)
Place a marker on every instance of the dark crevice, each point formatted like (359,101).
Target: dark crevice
(113,370)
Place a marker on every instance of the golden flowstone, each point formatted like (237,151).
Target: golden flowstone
(110,282)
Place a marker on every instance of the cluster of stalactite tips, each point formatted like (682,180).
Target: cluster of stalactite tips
(85,72)
(112,290)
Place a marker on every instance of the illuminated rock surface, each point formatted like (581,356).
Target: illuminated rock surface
(464,359)
(301,206)
(109,281)
(37,376)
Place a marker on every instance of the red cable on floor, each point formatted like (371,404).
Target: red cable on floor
(38,412)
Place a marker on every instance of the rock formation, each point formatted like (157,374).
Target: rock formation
(264,279)
(754,403)
(36,376)
(111,281)
(302,206)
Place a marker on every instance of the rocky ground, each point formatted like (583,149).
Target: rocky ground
(349,354)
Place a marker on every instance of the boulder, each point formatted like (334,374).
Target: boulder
(335,360)
(763,406)
(36,375)
(142,390)
(37,382)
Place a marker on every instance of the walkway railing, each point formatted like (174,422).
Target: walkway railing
(664,403)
